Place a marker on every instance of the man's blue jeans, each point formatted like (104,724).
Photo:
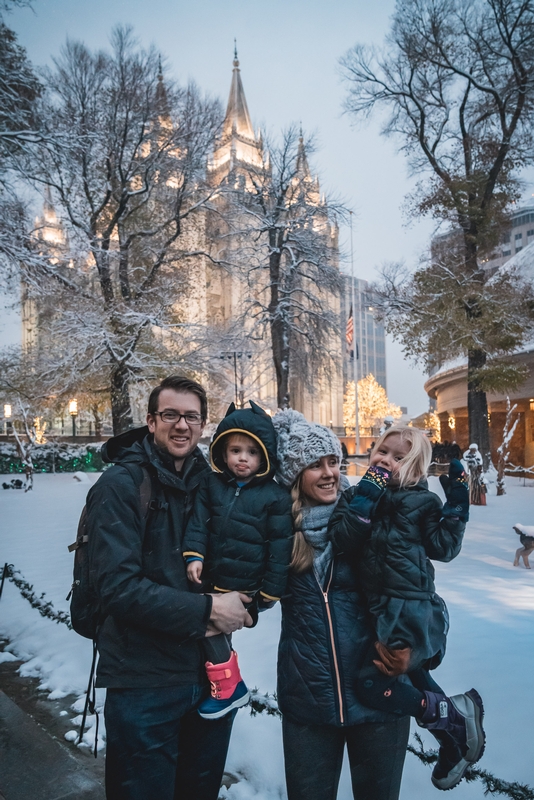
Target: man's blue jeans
(159,748)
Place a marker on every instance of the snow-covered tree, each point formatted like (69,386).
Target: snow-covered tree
(282,237)
(432,312)
(504,448)
(458,82)
(123,163)
(19,129)
(373,406)
(28,431)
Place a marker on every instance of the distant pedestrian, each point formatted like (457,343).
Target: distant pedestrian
(526,537)
(477,487)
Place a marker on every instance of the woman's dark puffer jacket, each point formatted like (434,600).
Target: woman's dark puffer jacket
(244,533)
(322,647)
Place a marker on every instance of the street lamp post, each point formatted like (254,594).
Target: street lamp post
(355,344)
(73,411)
(7,416)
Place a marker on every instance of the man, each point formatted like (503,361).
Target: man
(158,747)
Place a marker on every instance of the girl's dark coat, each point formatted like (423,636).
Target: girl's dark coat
(392,555)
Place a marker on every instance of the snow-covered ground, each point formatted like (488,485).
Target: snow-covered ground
(491,642)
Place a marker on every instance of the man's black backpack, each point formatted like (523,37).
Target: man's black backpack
(85,613)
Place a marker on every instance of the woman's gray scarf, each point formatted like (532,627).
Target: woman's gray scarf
(315,521)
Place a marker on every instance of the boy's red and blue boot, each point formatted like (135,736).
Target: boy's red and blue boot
(456,722)
(228,690)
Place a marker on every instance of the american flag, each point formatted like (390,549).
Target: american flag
(349,330)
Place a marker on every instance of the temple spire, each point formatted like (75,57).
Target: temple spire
(237,117)
(303,168)
(162,102)
(238,150)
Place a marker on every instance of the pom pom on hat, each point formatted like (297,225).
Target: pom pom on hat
(300,443)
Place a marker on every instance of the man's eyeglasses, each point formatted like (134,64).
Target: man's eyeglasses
(174,417)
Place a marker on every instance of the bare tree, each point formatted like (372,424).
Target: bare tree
(281,237)
(457,80)
(123,160)
(504,448)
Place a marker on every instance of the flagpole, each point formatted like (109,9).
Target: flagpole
(355,346)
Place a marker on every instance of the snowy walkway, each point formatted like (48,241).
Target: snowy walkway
(491,643)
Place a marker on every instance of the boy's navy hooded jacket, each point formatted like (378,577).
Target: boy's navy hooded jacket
(244,533)
(153,622)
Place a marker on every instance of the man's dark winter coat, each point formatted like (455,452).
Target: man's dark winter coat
(244,532)
(154,623)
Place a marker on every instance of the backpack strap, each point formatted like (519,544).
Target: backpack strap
(145,493)
(146,504)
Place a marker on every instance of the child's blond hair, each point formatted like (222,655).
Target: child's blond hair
(413,466)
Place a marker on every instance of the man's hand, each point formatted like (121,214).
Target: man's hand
(392,662)
(228,613)
(194,571)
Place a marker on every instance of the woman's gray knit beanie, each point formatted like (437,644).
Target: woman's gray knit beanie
(300,443)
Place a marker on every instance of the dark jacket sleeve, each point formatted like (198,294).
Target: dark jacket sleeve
(197,533)
(442,536)
(348,531)
(116,532)
(279,549)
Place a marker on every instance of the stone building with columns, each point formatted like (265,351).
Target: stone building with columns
(448,389)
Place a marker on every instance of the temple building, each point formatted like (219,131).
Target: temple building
(240,163)
(228,278)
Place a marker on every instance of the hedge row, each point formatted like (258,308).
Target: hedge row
(53,457)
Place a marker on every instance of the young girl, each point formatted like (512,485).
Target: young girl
(392,524)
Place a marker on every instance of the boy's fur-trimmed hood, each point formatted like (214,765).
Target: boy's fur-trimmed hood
(253,422)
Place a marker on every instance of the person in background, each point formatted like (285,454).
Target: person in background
(477,488)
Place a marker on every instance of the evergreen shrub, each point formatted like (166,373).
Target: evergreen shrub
(53,457)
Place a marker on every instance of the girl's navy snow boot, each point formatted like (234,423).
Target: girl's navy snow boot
(460,717)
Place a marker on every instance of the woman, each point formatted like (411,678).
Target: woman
(325,636)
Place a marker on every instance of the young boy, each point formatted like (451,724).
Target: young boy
(239,538)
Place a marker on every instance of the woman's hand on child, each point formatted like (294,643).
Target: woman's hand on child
(456,490)
(369,491)
(194,571)
(393,661)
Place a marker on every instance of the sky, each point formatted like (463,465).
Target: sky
(289,52)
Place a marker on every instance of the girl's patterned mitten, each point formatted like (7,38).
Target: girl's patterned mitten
(369,491)
(456,491)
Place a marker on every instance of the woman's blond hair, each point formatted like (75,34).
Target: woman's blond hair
(302,556)
(414,466)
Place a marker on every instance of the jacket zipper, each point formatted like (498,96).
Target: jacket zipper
(333,644)
(228,512)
